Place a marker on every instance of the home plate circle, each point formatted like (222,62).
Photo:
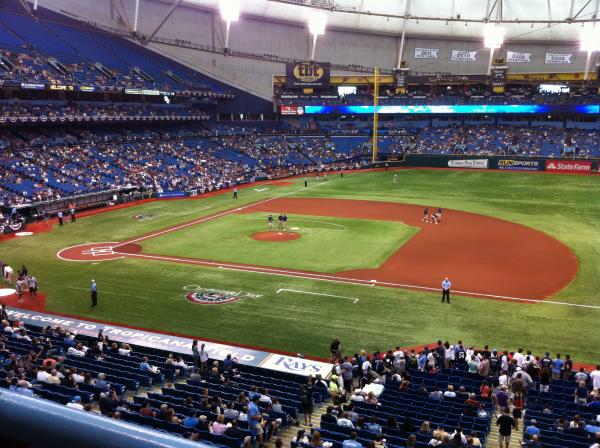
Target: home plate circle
(90,252)
(23,233)
(6,292)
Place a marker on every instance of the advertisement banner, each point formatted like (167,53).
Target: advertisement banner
(468,163)
(569,166)
(292,110)
(427,53)
(558,58)
(518,57)
(296,365)
(307,74)
(464,55)
(519,165)
(33,86)
(175,344)
(400,77)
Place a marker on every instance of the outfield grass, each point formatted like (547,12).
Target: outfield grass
(149,293)
(326,244)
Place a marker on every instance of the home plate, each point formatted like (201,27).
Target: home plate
(5,292)
(23,233)
(295,228)
(279,233)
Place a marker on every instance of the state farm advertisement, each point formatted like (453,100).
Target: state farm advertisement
(569,166)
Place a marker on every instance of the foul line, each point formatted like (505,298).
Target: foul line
(354,299)
(108,292)
(344,280)
(208,218)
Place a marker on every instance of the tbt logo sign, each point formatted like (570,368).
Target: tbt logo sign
(307,74)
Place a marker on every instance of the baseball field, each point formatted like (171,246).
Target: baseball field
(355,261)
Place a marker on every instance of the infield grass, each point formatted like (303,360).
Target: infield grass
(150,293)
(326,244)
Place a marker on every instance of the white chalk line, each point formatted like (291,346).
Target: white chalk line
(344,280)
(113,293)
(208,218)
(354,299)
(58,254)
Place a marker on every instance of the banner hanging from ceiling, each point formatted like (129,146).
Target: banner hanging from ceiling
(558,58)
(464,55)
(518,57)
(427,53)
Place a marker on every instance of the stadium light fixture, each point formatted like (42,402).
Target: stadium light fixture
(317,21)
(493,36)
(230,12)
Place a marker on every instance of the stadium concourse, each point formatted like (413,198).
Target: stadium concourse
(109,105)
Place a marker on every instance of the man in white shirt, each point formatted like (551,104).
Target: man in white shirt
(78,350)
(42,376)
(519,357)
(203,356)
(125,350)
(75,403)
(77,377)
(345,421)
(581,375)
(595,377)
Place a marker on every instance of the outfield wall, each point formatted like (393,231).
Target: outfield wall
(503,163)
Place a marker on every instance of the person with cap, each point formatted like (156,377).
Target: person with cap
(446,285)
(334,390)
(532,429)
(94,292)
(75,403)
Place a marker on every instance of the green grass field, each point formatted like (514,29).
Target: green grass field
(358,243)
(150,293)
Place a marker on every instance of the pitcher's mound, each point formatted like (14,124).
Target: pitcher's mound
(276,236)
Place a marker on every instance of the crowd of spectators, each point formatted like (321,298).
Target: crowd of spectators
(174,159)
(514,381)
(63,111)
(33,67)
(494,140)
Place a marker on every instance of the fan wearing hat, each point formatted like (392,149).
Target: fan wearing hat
(75,403)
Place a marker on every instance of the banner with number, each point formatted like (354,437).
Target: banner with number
(518,57)
(464,55)
(427,53)
(558,58)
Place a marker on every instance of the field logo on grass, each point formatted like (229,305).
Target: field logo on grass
(143,217)
(211,296)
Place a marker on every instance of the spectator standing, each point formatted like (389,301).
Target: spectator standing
(94,292)
(506,424)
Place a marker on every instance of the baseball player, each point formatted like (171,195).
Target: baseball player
(270,222)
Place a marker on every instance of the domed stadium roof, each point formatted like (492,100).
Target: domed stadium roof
(541,20)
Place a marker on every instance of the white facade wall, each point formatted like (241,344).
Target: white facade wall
(257,35)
